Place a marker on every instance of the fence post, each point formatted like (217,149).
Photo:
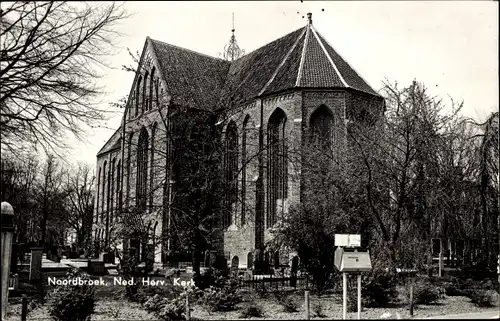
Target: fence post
(344,295)
(188,310)
(359,296)
(307,305)
(411,300)
(24,308)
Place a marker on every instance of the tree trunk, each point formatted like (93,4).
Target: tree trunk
(196,254)
(393,257)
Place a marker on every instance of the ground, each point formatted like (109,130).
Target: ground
(110,308)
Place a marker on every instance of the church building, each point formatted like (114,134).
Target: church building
(262,107)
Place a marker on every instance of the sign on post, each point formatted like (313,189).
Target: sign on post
(348,240)
(355,262)
(351,262)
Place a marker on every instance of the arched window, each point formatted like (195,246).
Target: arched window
(142,170)
(138,96)
(145,100)
(321,124)
(151,175)
(97,200)
(118,183)
(152,84)
(277,175)
(244,161)
(103,190)
(231,171)
(129,167)
(112,180)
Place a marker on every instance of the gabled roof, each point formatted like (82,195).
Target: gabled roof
(300,59)
(192,79)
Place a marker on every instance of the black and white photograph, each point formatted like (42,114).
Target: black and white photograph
(266,160)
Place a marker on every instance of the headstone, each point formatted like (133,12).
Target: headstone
(213,258)
(36,264)
(150,257)
(235,262)
(250,260)
(206,259)
(96,267)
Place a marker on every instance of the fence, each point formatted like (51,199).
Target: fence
(180,265)
(273,282)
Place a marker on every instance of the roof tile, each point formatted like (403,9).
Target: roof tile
(318,70)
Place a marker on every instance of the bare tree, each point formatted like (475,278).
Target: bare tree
(51,56)
(80,203)
(50,195)
(18,185)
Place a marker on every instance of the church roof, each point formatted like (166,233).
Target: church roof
(300,59)
(192,79)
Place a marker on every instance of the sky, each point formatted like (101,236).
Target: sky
(450,46)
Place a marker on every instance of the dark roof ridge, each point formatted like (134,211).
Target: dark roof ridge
(190,50)
(275,73)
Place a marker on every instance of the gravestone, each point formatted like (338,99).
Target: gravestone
(235,262)
(36,264)
(150,257)
(96,267)
(206,259)
(250,260)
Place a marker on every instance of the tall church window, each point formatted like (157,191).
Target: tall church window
(142,170)
(277,176)
(103,190)
(129,167)
(244,168)
(145,99)
(112,190)
(231,172)
(98,191)
(138,96)
(152,169)
(321,124)
(118,183)
(152,85)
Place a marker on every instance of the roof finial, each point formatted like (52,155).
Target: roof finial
(309,18)
(233,23)
(232,51)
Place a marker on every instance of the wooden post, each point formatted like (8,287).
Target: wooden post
(411,300)
(359,296)
(307,305)
(344,296)
(188,309)
(24,308)
(440,257)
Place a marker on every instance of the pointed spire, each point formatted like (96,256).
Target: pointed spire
(309,18)
(232,51)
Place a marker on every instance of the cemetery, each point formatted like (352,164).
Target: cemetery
(227,292)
